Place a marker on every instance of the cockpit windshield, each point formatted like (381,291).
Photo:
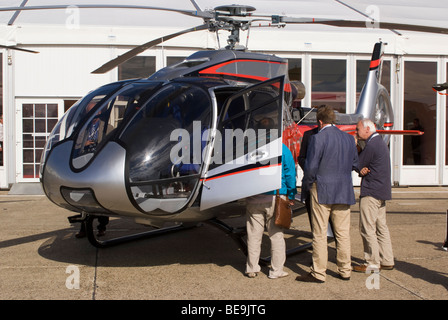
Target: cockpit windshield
(75,116)
(107,117)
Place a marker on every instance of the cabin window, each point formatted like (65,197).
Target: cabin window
(164,143)
(248,121)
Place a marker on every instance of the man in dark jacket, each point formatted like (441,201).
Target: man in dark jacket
(331,157)
(374,164)
(301,159)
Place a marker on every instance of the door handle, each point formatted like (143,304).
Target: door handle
(257,155)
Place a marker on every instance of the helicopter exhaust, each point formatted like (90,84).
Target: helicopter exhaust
(298,90)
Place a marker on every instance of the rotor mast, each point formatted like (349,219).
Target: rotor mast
(233,18)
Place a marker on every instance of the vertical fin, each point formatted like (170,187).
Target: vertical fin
(376,63)
(368,95)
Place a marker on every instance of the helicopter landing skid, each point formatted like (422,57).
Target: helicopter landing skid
(116,241)
(237,235)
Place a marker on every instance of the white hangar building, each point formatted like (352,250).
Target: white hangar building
(37,88)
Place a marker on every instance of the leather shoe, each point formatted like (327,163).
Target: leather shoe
(252,274)
(363,268)
(387,267)
(309,278)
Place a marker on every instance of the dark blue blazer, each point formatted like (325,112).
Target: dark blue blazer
(331,157)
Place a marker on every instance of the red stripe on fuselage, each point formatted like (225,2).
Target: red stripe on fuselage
(214,70)
(242,171)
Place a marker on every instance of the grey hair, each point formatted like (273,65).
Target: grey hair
(366,122)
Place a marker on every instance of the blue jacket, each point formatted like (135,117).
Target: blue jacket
(375,156)
(289,186)
(331,157)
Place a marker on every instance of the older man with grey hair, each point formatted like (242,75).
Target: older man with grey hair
(374,164)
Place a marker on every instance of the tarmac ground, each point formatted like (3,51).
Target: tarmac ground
(40,258)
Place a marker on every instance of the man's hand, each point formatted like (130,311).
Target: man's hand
(364,171)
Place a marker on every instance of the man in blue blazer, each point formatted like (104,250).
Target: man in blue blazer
(331,157)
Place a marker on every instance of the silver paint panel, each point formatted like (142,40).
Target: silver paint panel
(105,176)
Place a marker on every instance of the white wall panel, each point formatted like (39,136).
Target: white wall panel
(60,71)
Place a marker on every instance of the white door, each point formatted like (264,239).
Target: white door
(420,161)
(35,120)
(247,149)
(444,123)
(3,170)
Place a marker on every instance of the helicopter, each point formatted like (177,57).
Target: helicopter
(190,142)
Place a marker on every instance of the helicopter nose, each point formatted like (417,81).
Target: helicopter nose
(98,187)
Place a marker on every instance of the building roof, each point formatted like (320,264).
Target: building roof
(123,27)
(400,11)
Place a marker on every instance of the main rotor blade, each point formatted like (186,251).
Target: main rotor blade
(18,49)
(132,53)
(193,13)
(361,24)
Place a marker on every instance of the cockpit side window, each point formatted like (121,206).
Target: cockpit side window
(83,107)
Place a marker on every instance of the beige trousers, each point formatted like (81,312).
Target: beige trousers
(375,233)
(340,217)
(257,216)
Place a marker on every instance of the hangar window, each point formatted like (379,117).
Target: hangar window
(137,67)
(173,60)
(295,74)
(329,83)
(38,119)
(420,112)
(295,69)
